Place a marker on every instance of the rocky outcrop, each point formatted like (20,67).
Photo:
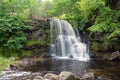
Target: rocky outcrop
(113,56)
(26,62)
(38,36)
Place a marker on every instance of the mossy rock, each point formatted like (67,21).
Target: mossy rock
(95,46)
(99,46)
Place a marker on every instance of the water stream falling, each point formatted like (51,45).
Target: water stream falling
(65,42)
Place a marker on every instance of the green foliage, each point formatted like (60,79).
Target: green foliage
(95,46)
(92,15)
(25,53)
(44,7)
(61,7)
(12,32)
(41,8)
(5,62)
(31,43)
(66,9)
(87,7)
(8,56)
(15,7)
(13,22)
(78,12)
(6,52)
(23,8)
(107,22)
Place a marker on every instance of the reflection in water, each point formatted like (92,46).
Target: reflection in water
(69,65)
(100,67)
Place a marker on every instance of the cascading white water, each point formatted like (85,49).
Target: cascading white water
(65,42)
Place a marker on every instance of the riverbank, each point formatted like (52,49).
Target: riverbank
(64,75)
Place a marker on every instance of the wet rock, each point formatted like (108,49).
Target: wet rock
(38,78)
(71,56)
(51,76)
(67,76)
(88,75)
(102,78)
(113,56)
(12,75)
(7,72)
(19,65)
(46,55)
(13,67)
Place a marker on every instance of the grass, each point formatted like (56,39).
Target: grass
(8,56)
(5,62)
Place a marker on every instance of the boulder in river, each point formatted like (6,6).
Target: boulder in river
(113,56)
(67,76)
(50,76)
(38,77)
(88,75)
(102,78)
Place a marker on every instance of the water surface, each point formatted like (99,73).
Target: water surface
(109,69)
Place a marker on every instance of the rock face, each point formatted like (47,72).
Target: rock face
(113,56)
(67,76)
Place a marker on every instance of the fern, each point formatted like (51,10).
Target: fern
(107,23)
(114,34)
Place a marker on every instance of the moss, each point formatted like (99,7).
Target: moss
(8,56)
(25,53)
(6,52)
(5,62)
(95,46)
(34,42)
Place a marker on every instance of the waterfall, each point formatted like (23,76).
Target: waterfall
(65,42)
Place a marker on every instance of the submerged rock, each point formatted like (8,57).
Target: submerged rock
(113,56)
(102,78)
(67,76)
(88,75)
